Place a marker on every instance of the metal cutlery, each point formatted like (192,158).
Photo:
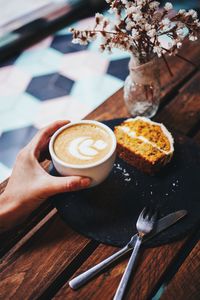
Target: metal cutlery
(162,224)
(145,224)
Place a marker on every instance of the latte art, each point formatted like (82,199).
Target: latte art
(82,144)
(86,148)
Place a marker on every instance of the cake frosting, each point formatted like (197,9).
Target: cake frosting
(132,133)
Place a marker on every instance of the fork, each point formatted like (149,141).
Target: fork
(145,224)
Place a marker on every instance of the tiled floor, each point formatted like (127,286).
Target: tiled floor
(52,80)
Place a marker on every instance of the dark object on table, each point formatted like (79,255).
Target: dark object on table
(107,213)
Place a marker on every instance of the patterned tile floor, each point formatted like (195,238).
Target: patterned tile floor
(52,80)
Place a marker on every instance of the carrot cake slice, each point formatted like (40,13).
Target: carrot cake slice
(145,144)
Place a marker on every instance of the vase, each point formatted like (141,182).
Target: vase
(142,90)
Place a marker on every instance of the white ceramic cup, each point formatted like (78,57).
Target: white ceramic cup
(97,171)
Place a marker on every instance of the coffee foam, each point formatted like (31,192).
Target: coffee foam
(82,144)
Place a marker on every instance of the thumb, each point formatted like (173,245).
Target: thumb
(67,184)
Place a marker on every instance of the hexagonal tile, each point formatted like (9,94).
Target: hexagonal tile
(119,68)
(12,141)
(66,108)
(50,86)
(39,62)
(13,80)
(83,64)
(6,104)
(63,43)
(95,90)
(19,111)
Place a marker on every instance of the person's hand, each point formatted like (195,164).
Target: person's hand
(29,184)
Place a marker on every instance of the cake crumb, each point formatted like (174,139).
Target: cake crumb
(127,179)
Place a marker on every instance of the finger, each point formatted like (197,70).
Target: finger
(41,139)
(66,184)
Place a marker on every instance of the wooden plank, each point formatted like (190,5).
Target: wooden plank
(100,287)
(26,272)
(183,113)
(186,282)
(180,69)
(152,264)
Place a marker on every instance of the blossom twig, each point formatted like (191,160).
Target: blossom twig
(167,65)
(138,26)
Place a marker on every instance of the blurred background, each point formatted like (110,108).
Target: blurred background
(43,76)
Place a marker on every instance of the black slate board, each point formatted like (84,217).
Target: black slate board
(108,213)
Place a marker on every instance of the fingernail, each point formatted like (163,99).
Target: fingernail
(85,182)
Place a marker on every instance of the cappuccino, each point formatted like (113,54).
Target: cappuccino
(82,144)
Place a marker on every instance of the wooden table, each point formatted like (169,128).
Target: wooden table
(39,257)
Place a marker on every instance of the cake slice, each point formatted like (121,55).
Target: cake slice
(144,144)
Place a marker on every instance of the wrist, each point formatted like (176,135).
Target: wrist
(8,211)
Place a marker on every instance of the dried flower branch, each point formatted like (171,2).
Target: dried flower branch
(139,26)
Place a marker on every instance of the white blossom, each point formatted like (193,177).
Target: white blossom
(154,4)
(128,27)
(179,45)
(140,3)
(147,26)
(180,33)
(153,39)
(192,13)
(135,33)
(157,50)
(166,21)
(99,16)
(141,25)
(192,37)
(151,33)
(181,11)
(168,6)
(124,2)
(137,17)
(197,22)
(132,10)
